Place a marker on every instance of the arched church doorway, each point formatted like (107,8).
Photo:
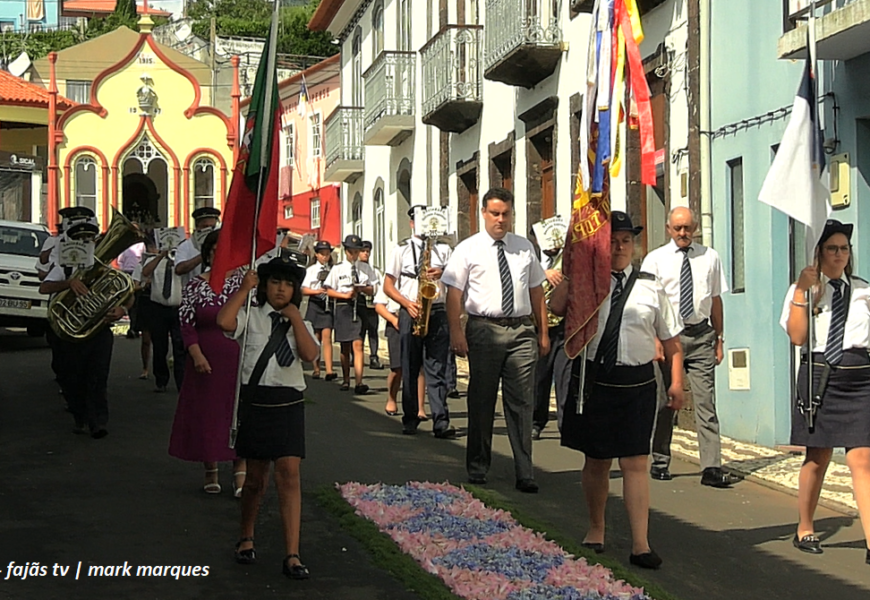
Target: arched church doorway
(146,185)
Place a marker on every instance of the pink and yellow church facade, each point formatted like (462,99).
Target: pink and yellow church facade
(147,144)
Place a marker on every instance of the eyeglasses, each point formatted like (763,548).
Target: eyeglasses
(838,249)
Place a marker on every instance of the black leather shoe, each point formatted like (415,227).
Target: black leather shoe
(717,478)
(477,479)
(299,571)
(647,560)
(247,556)
(527,486)
(660,474)
(454,393)
(597,547)
(99,434)
(445,434)
(375,363)
(360,389)
(330,377)
(409,431)
(867,557)
(536,433)
(810,544)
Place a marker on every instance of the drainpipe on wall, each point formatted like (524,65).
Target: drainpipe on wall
(706,155)
(52,208)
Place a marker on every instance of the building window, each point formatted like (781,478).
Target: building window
(316,134)
(380,229)
(288,211)
(356,85)
(86,182)
(405,25)
(356,214)
(203,183)
(315,213)
(78,91)
(378,30)
(289,143)
(735,194)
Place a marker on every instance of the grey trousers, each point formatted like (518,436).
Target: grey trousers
(507,354)
(553,368)
(699,362)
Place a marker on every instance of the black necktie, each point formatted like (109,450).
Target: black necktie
(687,303)
(284,354)
(354,274)
(167,278)
(507,283)
(837,328)
(611,344)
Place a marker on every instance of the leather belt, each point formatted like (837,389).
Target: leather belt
(696,329)
(503,321)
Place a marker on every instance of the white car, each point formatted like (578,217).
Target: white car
(21,304)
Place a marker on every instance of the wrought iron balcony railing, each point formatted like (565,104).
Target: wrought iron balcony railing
(344,135)
(389,87)
(516,32)
(452,78)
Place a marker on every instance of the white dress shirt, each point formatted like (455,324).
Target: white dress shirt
(403,263)
(157,278)
(648,315)
(374,276)
(382,298)
(473,269)
(52,243)
(340,278)
(185,251)
(857,333)
(259,332)
(312,276)
(708,279)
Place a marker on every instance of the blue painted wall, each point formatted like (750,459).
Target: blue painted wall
(11,11)
(748,81)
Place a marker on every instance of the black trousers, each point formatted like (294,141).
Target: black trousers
(165,327)
(85,375)
(430,353)
(371,320)
(554,367)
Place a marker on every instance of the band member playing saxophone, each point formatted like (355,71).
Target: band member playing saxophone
(319,313)
(405,270)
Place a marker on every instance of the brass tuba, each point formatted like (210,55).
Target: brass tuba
(77,318)
(427,290)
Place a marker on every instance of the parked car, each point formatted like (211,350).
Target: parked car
(21,304)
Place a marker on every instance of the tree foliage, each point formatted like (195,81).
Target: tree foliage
(251,18)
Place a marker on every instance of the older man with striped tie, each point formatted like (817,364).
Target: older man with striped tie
(693,279)
(496,277)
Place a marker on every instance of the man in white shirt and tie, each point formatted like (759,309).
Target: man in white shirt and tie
(693,279)
(496,277)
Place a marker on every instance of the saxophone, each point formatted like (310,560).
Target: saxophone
(427,290)
(552,320)
(77,318)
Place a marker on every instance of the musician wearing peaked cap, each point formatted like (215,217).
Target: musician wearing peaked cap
(371,320)
(405,269)
(837,414)
(610,414)
(319,313)
(188,259)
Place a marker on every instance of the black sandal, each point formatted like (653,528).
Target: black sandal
(248,556)
(299,571)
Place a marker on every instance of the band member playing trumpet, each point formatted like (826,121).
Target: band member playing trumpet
(319,313)
(84,363)
(409,266)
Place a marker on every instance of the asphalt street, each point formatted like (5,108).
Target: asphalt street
(123,501)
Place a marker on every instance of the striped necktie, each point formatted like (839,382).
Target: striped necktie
(837,328)
(284,354)
(687,303)
(611,344)
(507,283)
(167,278)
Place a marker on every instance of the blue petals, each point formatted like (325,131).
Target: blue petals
(509,562)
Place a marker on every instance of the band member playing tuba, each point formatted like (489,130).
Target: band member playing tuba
(319,313)
(404,272)
(84,362)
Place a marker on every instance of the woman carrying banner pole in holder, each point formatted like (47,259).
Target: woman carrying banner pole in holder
(833,406)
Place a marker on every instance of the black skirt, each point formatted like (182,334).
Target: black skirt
(271,423)
(843,419)
(317,314)
(145,311)
(617,418)
(346,329)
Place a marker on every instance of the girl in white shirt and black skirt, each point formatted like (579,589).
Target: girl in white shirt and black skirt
(271,417)
(837,412)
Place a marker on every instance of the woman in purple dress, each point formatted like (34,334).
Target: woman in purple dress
(201,429)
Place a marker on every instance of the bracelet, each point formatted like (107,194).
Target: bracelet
(801,304)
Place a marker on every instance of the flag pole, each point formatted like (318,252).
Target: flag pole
(266,136)
(811,400)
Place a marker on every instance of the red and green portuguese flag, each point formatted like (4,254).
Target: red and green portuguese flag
(254,189)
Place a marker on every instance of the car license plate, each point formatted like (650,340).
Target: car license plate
(13,303)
